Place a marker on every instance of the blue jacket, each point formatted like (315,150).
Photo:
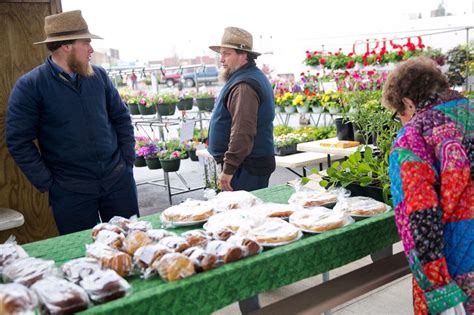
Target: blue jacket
(221,121)
(84,130)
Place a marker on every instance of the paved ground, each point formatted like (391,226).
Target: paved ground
(394,298)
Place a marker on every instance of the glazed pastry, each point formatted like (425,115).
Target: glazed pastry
(188,211)
(121,222)
(318,219)
(175,243)
(221,234)
(28,270)
(363,206)
(273,231)
(196,238)
(224,251)
(105,285)
(75,270)
(234,220)
(105,226)
(312,198)
(157,234)
(15,298)
(203,261)
(59,296)
(275,210)
(174,266)
(139,226)
(240,199)
(134,240)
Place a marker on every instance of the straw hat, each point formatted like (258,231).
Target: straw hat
(66,26)
(236,38)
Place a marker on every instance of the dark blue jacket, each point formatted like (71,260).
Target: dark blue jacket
(221,121)
(84,130)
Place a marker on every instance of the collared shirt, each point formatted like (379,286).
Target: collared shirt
(70,76)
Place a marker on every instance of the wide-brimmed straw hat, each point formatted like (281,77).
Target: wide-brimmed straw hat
(236,38)
(66,26)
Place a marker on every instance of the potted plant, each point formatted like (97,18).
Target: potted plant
(185,101)
(205,101)
(132,98)
(152,156)
(312,101)
(145,106)
(190,148)
(165,103)
(140,151)
(170,160)
(286,144)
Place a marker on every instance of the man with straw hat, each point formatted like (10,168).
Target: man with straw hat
(82,127)
(241,126)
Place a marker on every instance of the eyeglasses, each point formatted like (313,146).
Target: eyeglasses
(395,117)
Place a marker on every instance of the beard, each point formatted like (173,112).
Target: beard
(84,69)
(225,73)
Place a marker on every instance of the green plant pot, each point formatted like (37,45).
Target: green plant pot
(193,156)
(185,104)
(153,163)
(205,104)
(287,150)
(166,109)
(170,165)
(133,108)
(139,161)
(147,110)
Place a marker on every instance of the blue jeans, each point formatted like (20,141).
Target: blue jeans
(243,180)
(76,211)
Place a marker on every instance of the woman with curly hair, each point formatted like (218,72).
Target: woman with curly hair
(431,171)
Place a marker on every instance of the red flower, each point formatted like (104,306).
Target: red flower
(317,74)
(350,54)
(378,58)
(364,57)
(308,56)
(370,73)
(365,63)
(322,61)
(350,64)
(302,74)
(336,54)
(401,53)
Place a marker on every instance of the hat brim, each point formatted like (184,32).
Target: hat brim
(217,49)
(68,37)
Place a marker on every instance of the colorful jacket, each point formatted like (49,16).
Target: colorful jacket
(431,170)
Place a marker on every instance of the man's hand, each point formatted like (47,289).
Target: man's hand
(224,181)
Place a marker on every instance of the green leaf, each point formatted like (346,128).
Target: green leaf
(364,168)
(324,183)
(331,172)
(335,164)
(304,180)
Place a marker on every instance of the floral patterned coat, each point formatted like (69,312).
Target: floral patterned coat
(431,170)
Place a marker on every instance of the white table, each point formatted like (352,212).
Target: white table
(10,219)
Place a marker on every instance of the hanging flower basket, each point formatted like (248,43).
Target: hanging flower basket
(140,161)
(290,109)
(193,156)
(166,109)
(133,108)
(153,163)
(147,110)
(185,104)
(170,165)
(302,109)
(205,104)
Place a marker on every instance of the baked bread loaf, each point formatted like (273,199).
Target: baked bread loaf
(9,252)
(15,298)
(121,222)
(174,266)
(146,255)
(28,270)
(224,251)
(318,219)
(203,261)
(134,240)
(105,285)
(234,220)
(275,210)
(250,247)
(157,234)
(106,226)
(110,258)
(312,198)
(75,270)
(110,238)
(229,200)
(363,206)
(221,234)
(175,243)
(59,296)
(196,238)
(273,231)
(188,211)
(139,226)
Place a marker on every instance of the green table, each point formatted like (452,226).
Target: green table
(209,291)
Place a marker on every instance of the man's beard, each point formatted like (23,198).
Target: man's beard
(76,66)
(225,74)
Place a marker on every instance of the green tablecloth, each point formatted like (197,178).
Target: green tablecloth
(209,291)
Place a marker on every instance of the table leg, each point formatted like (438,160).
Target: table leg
(382,253)
(249,305)
(326,279)
(168,186)
(329,160)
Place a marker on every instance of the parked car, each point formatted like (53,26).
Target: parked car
(171,77)
(206,74)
